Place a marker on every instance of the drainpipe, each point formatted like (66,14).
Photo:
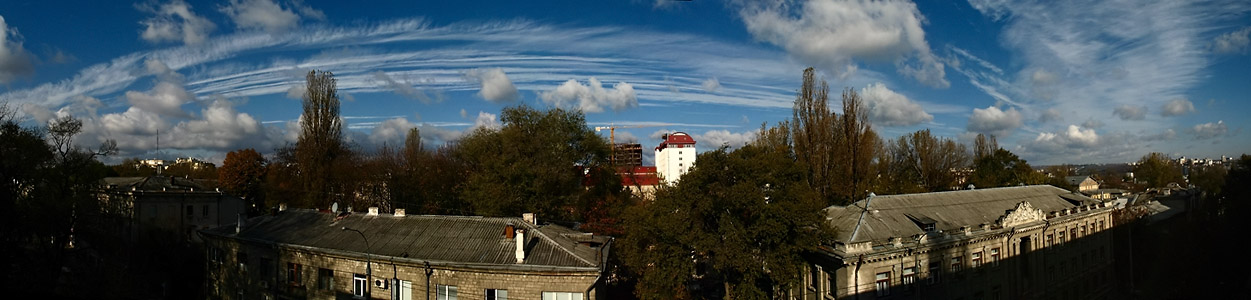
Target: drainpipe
(859,261)
(428,273)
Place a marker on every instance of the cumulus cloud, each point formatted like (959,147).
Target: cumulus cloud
(297,91)
(174,21)
(220,127)
(15,61)
(712,85)
(268,15)
(1073,139)
(407,90)
(992,120)
(485,120)
(1233,42)
(888,108)
(1177,107)
(713,139)
(1130,112)
(1209,130)
(166,99)
(593,97)
(832,34)
(1050,115)
(495,85)
(1163,136)
(391,131)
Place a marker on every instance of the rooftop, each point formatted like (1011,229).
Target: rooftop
(468,240)
(897,215)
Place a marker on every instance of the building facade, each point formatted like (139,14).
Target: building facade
(1083,183)
(674,156)
(304,254)
(175,205)
(1028,242)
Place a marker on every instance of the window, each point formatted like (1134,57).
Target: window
(204,210)
(994,256)
(403,290)
(325,279)
(190,210)
(1083,229)
(829,279)
(935,270)
(359,284)
(494,294)
(445,292)
(1049,238)
(1101,225)
(267,268)
(882,284)
(562,296)
(679,158)
(956,264)
(1061,240)
(814,278)
(242,258)
(1073,233)
(909,277)
(293,273)
(977,260)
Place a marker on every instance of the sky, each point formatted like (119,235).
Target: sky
(1070,81)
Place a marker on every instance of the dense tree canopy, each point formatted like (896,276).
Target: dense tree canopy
(242,173)
(921,162)
(734,227)
(1158,170)
(839,152)
(320,149)
(1002,168)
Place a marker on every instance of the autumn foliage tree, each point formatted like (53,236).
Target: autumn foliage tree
(243,174)
(921,162)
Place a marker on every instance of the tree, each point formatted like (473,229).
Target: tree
(857,146)
(813,133)
(320,145)
(734,227)
(1158,170)
(1210,179)
(243,174)
(1002,168)
(537,162)
(983,146)
(922,162)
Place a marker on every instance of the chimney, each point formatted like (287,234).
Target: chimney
(529,218)
(373,211)
(508,231)
(399,212)
(282,207)
(239,226)
(521,245)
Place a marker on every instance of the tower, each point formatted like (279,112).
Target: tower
(674,156)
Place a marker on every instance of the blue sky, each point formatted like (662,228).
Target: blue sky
(1056,81)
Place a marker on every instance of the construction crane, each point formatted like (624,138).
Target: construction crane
(612,130)
(612,135)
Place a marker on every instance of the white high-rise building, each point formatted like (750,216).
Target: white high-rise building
(675,156)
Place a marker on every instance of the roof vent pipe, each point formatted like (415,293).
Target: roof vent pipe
(400,212)
(373,211)
(521,246)
(239,225)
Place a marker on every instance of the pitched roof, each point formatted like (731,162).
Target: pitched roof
(899,215)
(1076,180)
(467,240)
(152,183)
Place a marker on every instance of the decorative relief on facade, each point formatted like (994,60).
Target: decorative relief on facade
(1024,213)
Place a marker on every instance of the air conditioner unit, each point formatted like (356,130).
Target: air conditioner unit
(380,283)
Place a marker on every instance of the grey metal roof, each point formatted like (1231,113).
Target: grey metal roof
(152,183)
(895,215)
(447,239)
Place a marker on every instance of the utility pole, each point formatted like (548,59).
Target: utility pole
(368,264)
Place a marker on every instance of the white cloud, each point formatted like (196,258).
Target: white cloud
(1049,115)
(888,108)
(391,132)
(992,120)
(1233,42)
(712,85)
(714,139)
(485,120)
(1130,112)
(15,61)
(174,21)
(1177,107)
(495,85)
(134,121)
(166,99)
(1163,136)
(592,98)
(267,15)
(1073,140)
(464,114)
(1209,130)
(831,34)
(297,91)
(406,89)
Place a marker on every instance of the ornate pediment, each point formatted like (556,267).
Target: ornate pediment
(1024,213)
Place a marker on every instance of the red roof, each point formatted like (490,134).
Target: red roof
(676,138)
(641,175)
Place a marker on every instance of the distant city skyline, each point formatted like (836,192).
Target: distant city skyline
(1059,82)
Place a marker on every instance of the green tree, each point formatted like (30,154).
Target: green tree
(813,132)
(243,174)
(922,162)
(1211,179)
(537,162)
(1002,168)
(735,226)
(857,145)
(320,149)
(1158,170)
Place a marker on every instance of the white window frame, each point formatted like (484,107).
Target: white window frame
(496,294)
(562,296)
(445,292)
(881,284)
(359,284)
